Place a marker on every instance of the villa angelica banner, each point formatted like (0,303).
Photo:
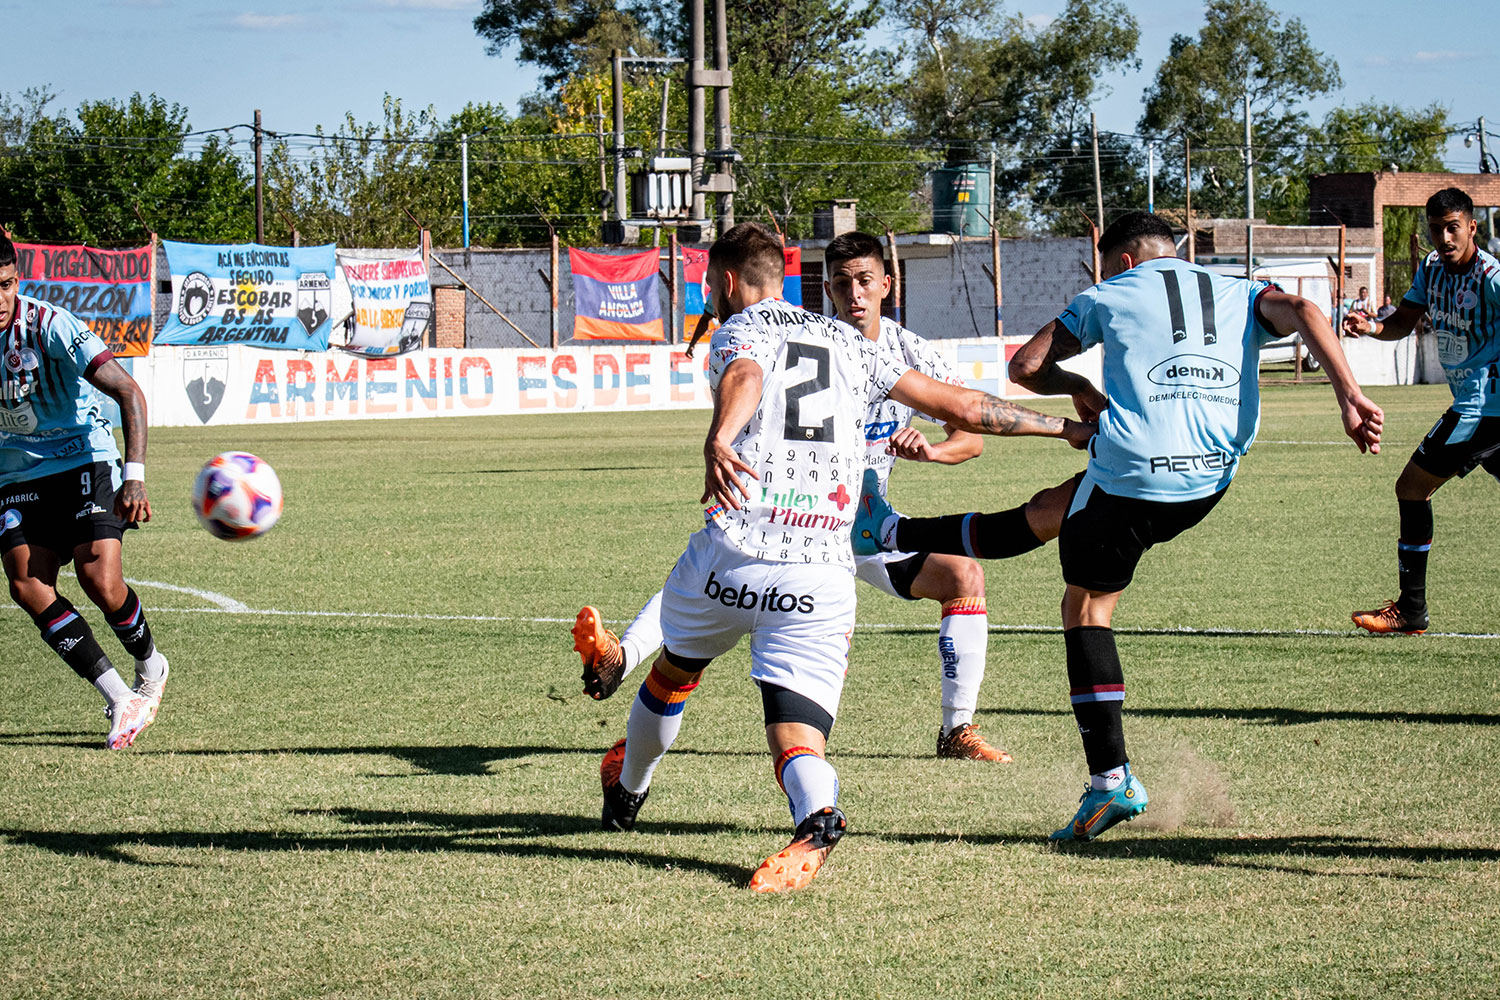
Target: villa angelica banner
(246,293)
(109,290)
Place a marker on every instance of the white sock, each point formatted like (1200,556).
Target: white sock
(643,637)
(810,783)
(963,640)
(655,718)
(888,531)
(113,687)
(153,666)
(1108,781)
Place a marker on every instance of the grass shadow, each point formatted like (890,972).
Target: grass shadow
(1270,716)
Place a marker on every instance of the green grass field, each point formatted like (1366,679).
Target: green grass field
(344,806)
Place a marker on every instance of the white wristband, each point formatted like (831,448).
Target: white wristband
(136,471)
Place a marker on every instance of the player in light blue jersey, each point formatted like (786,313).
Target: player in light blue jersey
(1180,405)
(64,497)
(1458,288)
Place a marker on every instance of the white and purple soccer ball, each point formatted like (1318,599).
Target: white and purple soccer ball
(237,496)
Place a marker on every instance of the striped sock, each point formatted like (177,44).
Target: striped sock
(963,639)
(655,718)
(1000,535)
(1097,690)
(1411,553)
(809,781)
(70,637)
(129,624)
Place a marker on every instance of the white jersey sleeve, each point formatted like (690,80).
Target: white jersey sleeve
(806,438)
(888,416)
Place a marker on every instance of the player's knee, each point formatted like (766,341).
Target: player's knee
(31,594)
(968,579)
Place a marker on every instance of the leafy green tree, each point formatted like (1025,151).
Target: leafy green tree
(1245,47)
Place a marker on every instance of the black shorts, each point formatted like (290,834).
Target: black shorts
(61,511)
(1102,541)
(1456,444)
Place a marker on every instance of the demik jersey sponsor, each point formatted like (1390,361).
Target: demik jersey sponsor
(807,436)
(51,417)
(887,416)
(1181,370)
(1464,311)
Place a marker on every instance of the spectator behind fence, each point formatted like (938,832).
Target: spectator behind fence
(1386,308)
(1362,303)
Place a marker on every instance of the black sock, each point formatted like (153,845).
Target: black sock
(70,637)
(1411,553)
(1097,685)
(129,623)
(980,536)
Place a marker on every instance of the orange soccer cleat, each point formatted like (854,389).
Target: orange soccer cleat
(794,866)
(1390,618)
(964,743)
(603,660)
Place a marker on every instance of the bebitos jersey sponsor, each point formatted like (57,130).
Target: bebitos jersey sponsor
(807,436)
(1463,310)
(51,417)
(1181,370)
(887,416)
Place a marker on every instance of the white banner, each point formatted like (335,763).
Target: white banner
(194,386)
(391,303)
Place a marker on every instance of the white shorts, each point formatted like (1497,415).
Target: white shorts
(876,571)
(798,615)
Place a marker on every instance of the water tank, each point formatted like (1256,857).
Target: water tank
(961,199)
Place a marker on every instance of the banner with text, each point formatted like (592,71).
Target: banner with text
(695,281)
(193,386)
(615,296)
(392,303)
(246,293)
(109,290)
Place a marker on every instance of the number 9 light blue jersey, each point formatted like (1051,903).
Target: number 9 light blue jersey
(1181,370)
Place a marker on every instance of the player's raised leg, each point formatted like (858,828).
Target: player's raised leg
(1001,535)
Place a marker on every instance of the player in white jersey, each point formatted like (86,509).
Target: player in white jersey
(63,497)
(784,458)
(858,284)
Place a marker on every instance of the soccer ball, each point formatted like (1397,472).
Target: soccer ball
(237,496)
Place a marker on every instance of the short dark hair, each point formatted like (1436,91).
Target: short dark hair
(852,245)
(1449,200)
(752,251)
(7,251)
(1133,227)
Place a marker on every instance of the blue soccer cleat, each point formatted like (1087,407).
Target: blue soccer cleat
(1098,811)
(869,516)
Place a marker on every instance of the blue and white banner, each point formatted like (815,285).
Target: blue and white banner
(246,293)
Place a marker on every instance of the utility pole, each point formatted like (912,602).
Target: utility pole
(1187,187)
(722,141)
(1249,161)
(1098,187)
(617,75)
(463,142)
(599,135)
(697,144)
(1151,177)
(260,197)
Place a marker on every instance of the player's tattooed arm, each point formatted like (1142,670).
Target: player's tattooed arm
(1036,367)
(115,382)
(981,413)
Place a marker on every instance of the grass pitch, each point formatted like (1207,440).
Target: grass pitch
(383,806)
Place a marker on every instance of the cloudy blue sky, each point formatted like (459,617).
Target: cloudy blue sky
(305,63)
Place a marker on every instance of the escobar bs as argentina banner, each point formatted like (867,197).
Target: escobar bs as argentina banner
(246,293)
(615,297)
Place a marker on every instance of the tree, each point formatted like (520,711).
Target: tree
(1200,89)
(566,37)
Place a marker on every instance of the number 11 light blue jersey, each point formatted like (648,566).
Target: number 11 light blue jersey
(1181,370)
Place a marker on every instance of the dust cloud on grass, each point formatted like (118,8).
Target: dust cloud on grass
(1185,790)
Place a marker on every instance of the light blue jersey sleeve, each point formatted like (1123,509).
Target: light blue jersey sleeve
(1264,330)
(67,340)
(1081,318)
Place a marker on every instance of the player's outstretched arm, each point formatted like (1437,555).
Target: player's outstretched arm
(981,413)
(1395,326)
(1289,314)
(959,446)
(734,405)
(115,382)
(1036,367)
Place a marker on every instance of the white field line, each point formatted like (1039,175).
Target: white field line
(230,606)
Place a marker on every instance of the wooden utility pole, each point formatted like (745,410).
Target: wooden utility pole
(672,289)
(603,176)
(552,279)
(722,141)
(890,239)
(260,198)
(995,270)
(1098,185)
(1187,187)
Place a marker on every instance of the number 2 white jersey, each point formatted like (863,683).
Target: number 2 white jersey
(807,436)
(887,416)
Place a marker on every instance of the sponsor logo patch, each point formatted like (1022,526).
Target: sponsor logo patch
(1195,370)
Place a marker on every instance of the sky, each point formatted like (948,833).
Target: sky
(305,64)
